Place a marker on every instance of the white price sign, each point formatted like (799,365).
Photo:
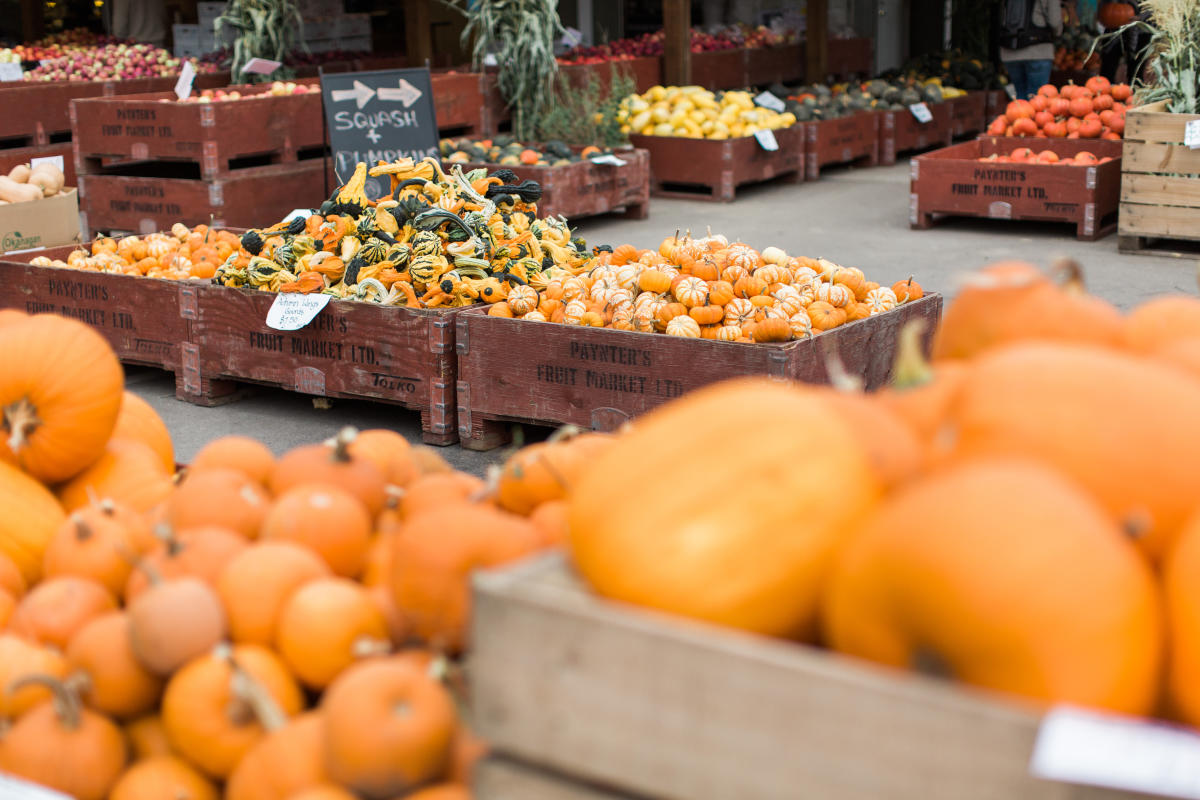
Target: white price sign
(766,139)
(291,312)
(609,159)
(299,213)
(1100,749)
(1011,90)
(183,86)
(1191,134)
(261,66)
(921,112)
(55,161)
(11,72)
(572,37)
(768,100)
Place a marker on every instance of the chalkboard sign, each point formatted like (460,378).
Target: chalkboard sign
(378,116)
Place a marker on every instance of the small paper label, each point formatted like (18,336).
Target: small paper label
(291,312)
(572,37)
(1011,90)
(766,139)
(261,66)
(56,161)
(921,112)
(183,86)
(299,213)
(489,60)
(1191,134)
(1100,749)
(768,100)
(609,159)
(11,72)
(16,789)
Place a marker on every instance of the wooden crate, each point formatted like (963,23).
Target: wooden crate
(900,132)
(1160,181)
(997,101)
(354,350)
(952,181)
(968,114)
(780,64)
(584,189)
(645,71)
(214,136)
(846,140)
(22,155)
(496,113)
(140,317)
(720,69)
(511,370)
(708,169)
(850,58)
(458,100)
(245,198)
(612,702)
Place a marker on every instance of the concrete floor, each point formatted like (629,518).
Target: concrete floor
(854,217)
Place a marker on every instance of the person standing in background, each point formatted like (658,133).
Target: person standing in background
(138,20)
(1028,29)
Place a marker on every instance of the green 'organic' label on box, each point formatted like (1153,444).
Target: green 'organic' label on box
(15,241)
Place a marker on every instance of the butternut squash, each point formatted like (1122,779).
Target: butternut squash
(20,173)
(48,178)
(18,192)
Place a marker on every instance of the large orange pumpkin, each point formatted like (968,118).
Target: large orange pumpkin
(547,470)
(128,472)
(139,421)
(328,520)
(1162,320)
(1118,425)
(218,496)
(252,458)
(31,517)
(163,778)
(59,398)
(288,760)
(117,684)
(56,609)
(326,625)
(891,445)
(1181,585)
(744,543)
(1003,574)
(335,464)
(256,584)
(920,394)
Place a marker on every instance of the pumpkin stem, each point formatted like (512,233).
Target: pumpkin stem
(564,433)
(83,531)
(1072,273)
(369,647)
(341,444)
(20,420)
(251,701)
(65,697)
(166,534)
(911,369)
(839,378)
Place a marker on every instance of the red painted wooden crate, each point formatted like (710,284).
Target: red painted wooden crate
(510,370)
(846,58)
(953,182)
(900,132)
(645,71)
(720,69)
(968,114)
(781,64)
(845,140)
(710,169)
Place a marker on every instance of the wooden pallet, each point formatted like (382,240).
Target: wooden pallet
(511,370)
(953,182)
(22,155)
(1160,183)
(968,114)
(900,132)
(708,169)
(219,137)
(584,189)
(610,702)
(351,349)
(245,198)
(853,140)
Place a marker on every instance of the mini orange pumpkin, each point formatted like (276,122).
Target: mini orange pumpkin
(257,582)
(116,683)
(547,470)
(21,659)
(223,497)
(389,452)
(96,542)
(56,609)
(250,457)
(147,738)
(334,464)
(328,520)
(200,552)
(908,290)
(287,761)
(325,626)
(431,492)
(173,622)
(163,778)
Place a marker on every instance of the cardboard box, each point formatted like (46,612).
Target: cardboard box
(50,222)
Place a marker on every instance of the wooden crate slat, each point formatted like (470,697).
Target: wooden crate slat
(1153,123)
(1171,222)
(1160,190)
(844,140)
(900,132)
(677,710)
(968,113)
(1155,157)
(716,168)
(1158,206)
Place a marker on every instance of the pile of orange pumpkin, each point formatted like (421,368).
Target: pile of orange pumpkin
(1022,514)
(1095,110)
(708,288)
(1026,155)
(182,254)
(252,627)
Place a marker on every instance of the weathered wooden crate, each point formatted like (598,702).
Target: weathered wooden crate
(1160,182)
(952,181)
(997,101)
(587,699)
(709,169)
(22,155)
(458,102)
(849,58)
(140,317)
(900,132)
(853,139)
(968,114)
(584,189)
(511,370)
(351,349)
(645,72)
(245,198)
(780,64)
(496,113)
(720,69)
(219,137)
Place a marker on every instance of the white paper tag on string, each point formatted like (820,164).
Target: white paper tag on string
(766,139)
(489,60)
(16,789)
(768,100)
(55,161)
(183,86)
(1191,134)
(1011,91)
(609,159)
(261,66)
(299,213)
(1099,749)
(11,72)
(572,37)
(921,112)
(291,312)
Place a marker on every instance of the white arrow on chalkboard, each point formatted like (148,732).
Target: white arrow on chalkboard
(407,93)
(361,93)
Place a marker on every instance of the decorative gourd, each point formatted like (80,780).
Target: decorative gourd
(116,684)
(332,463)
(823,316)
(780,527)
(730,333)
(59,398)
(432,492)
(1160,320)
(248,456)
(64,746)
(163,778)
(218,496)
(433,556)
(907,290)
(325,626)
(138,421)
(147,738)
(389,727)
(739,311)
(287,761)
(200,552)
(773,330)
(128,472)
(56,609)
(19,659)
(683,326)
(221,705)
(256,584)
(720,293)
(389,452)
(881,300)
(707,315)
(546,471)
(940,578)
(857,311)
(522,299)
(691,292)
(173,622)
(750,286)
(326,519)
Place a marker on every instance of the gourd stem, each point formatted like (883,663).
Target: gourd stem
(20,420)
(67,705)
(911,369)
